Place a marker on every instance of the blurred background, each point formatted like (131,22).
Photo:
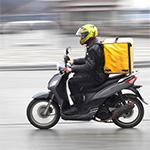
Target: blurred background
(35,32)
(33,37)
(111,16)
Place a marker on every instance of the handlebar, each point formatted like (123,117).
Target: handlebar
(61,66)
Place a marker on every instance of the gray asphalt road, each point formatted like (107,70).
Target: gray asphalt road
(75,136)
(16,90)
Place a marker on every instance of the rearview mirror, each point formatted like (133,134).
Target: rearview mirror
(68,50)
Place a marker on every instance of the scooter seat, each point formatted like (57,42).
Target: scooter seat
(110,81)
(118,76)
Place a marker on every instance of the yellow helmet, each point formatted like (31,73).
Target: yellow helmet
(87,32)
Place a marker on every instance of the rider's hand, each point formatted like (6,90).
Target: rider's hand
(67,70)
(71,62)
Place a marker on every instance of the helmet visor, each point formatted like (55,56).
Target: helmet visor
(78,32)
(82,33)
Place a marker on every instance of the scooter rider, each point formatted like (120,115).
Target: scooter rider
(89,70)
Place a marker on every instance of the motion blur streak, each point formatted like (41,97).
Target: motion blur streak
(36,32)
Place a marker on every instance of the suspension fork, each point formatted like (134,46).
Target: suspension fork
(48,105)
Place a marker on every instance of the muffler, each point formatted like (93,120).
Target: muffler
(123,109)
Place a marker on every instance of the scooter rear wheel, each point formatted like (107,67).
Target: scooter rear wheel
(132,118)
(39,118)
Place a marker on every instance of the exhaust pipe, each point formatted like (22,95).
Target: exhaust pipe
(123,109)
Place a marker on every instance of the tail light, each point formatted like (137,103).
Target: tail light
(131,81)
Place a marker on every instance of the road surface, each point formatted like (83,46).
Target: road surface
(17,88)
(40,48)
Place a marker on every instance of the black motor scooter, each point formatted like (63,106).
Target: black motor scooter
(105,103)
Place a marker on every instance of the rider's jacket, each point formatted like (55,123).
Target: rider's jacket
(93,63)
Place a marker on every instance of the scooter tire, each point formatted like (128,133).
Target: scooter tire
(139,109)
(37,124)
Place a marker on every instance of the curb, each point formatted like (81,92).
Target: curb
(137,64)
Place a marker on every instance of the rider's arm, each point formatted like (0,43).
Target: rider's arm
(79,61)
(88,64)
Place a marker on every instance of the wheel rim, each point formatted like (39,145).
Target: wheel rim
(39,118)
(130,117)
(41,109)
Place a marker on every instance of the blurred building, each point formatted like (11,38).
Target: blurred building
(112,17)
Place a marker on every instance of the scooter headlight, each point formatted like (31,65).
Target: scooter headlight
(53,83)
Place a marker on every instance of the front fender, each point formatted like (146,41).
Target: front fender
(42,95)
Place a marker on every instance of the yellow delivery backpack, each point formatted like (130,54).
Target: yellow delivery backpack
(118,55)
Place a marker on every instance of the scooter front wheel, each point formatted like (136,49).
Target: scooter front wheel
(43,115)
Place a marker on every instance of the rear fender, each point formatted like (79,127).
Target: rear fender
(134,90)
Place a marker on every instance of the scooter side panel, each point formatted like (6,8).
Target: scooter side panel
(108,91)
(59,89)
